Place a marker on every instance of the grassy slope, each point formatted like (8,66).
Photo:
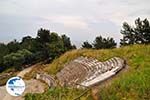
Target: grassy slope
(134,84)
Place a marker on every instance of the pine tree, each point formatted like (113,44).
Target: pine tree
(140,34)
(104,43)
(87,45)
(128,34)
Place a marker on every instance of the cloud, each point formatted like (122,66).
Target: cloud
(76,18)
(76,22)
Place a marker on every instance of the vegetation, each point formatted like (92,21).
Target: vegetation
(46,46)
(133,84)
(86,45)
(49,45)
(130,85)
(17,59)
(100,43)
(104,43)
(140,34)
(59,93)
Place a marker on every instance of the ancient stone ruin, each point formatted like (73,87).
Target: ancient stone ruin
(84,72)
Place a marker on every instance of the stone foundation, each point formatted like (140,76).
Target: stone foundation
(85,72)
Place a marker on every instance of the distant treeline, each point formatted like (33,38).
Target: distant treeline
(45,47)
(49,45)
(138,34)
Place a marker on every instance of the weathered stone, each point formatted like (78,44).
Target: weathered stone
(85,72)
(47,79)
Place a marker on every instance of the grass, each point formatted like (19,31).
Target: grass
(134,84)
(58,93)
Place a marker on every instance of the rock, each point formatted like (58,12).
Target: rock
(85,72)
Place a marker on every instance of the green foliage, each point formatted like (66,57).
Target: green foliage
(58,93)
(45,47)
(136,35)
(104,43)
(3,51)
(100,43)
(43,35)
(54,37)
(67,43)
(29,43)
(51,44)
(133,84)
(87,45)
(17,59)
(55,49)
(128,35)
(13,46)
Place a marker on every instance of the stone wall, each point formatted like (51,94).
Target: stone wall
(47,79)
(88,71)
(85,72)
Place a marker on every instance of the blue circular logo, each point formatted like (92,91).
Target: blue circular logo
(15,86)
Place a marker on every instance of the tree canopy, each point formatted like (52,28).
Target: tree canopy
(46,45)
(87,45)
(138,34)
(17,59)
(100,43)
(104,43)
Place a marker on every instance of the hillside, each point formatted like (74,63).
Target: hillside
(132,84)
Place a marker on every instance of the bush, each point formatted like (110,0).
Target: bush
(17,59)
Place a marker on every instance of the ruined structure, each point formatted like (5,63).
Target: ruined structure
(47,79)
(85,72)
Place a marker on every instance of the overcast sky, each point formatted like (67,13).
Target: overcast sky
(80,19)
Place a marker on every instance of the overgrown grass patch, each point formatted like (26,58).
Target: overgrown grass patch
(59,93)
(133,84)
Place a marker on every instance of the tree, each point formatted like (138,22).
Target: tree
(13,46)
(27,43)
(55,49)
(45,47)
(41,42)
(54,37)
(110,43)
(3,51)
(26,39)
(146,32)
(51,45)
(43,35)
(128,34)
(17,59)
(66,42)
(74,47)
(98,43)
(140,34)
(142,31)
(56,46)
(104,43)
(87,45)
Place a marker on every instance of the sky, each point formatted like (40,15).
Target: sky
(81,20)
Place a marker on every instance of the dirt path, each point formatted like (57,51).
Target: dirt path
(32,86)
(27,70)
